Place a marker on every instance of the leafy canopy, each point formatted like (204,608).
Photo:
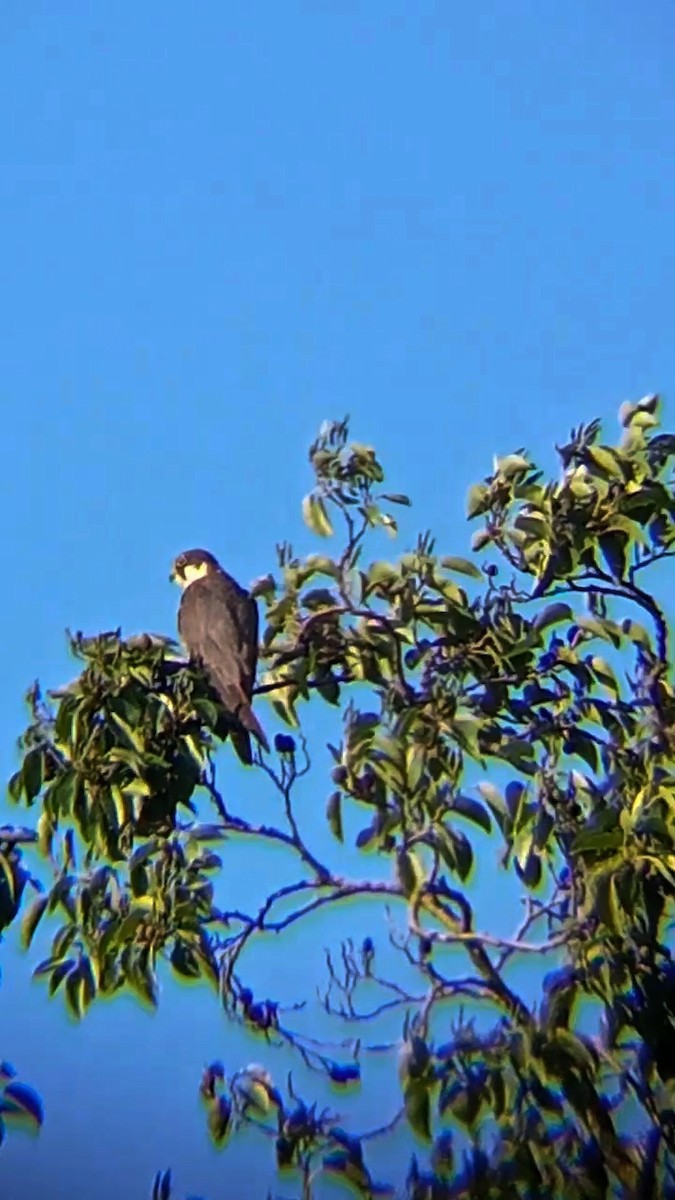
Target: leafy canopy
(524,693)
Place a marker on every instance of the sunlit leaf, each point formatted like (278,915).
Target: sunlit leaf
(478,500)
(604,674)
(220,1113)
(553,614)
(607,461)
(463,566)
(410,873)
(31,919)
(315,515)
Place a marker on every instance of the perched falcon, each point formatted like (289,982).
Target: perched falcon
(218,624)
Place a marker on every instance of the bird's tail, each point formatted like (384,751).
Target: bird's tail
(244,721)
(247,724)
(241,741)
(252,724)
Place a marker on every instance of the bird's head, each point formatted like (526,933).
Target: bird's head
(192,565)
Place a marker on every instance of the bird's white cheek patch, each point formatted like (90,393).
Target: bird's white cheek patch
(192,573)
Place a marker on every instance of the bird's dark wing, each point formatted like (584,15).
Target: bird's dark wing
(218,622)
(247,620)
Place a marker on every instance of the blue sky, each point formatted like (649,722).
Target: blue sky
(220,227)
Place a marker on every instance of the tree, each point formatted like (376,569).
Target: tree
(524,693)
(20,1105)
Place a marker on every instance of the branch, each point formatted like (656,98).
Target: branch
(270,832)
(626,591)
(284,784)
(475,946)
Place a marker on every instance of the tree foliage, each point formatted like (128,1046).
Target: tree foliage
(524,692)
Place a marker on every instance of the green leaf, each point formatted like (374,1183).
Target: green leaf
(349,1164)
(414,1059)
(455,850)
(597,840)
(518,753)
(382,573)
(442,1156)
(530,871)
(578,742)
(161,1188)
(255,1087)
(465,806)
(207,833)
(220,1112)
(604,674)
(31,919)
(88,989)
(74,991)
(184,961)
(62,793)
(127,928)
(605,902)
(409,872)
(334,815)
(415,763)
(480,540)
(329,691)
(649,403)
(7,873)
(462,1100)
(553,614)
(491,793)
(63,940)
(606,461)
(45,832)
(396,498)
(463,566)
(498,1093)
(613,547)
(139,880)
(478,500)
(132,737)
(320,565)
(141,976)
(59,972)
(522,844)
(575,1050)
(26,1100)
(15,786)
(534,523)
(511,464)
(207,710)
(318,599)
(636,633)
(599,628)
(643,420)
(418,1108)
(315,515)
(33,773)
(465,729)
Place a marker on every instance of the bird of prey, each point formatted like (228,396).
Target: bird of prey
(218,624)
